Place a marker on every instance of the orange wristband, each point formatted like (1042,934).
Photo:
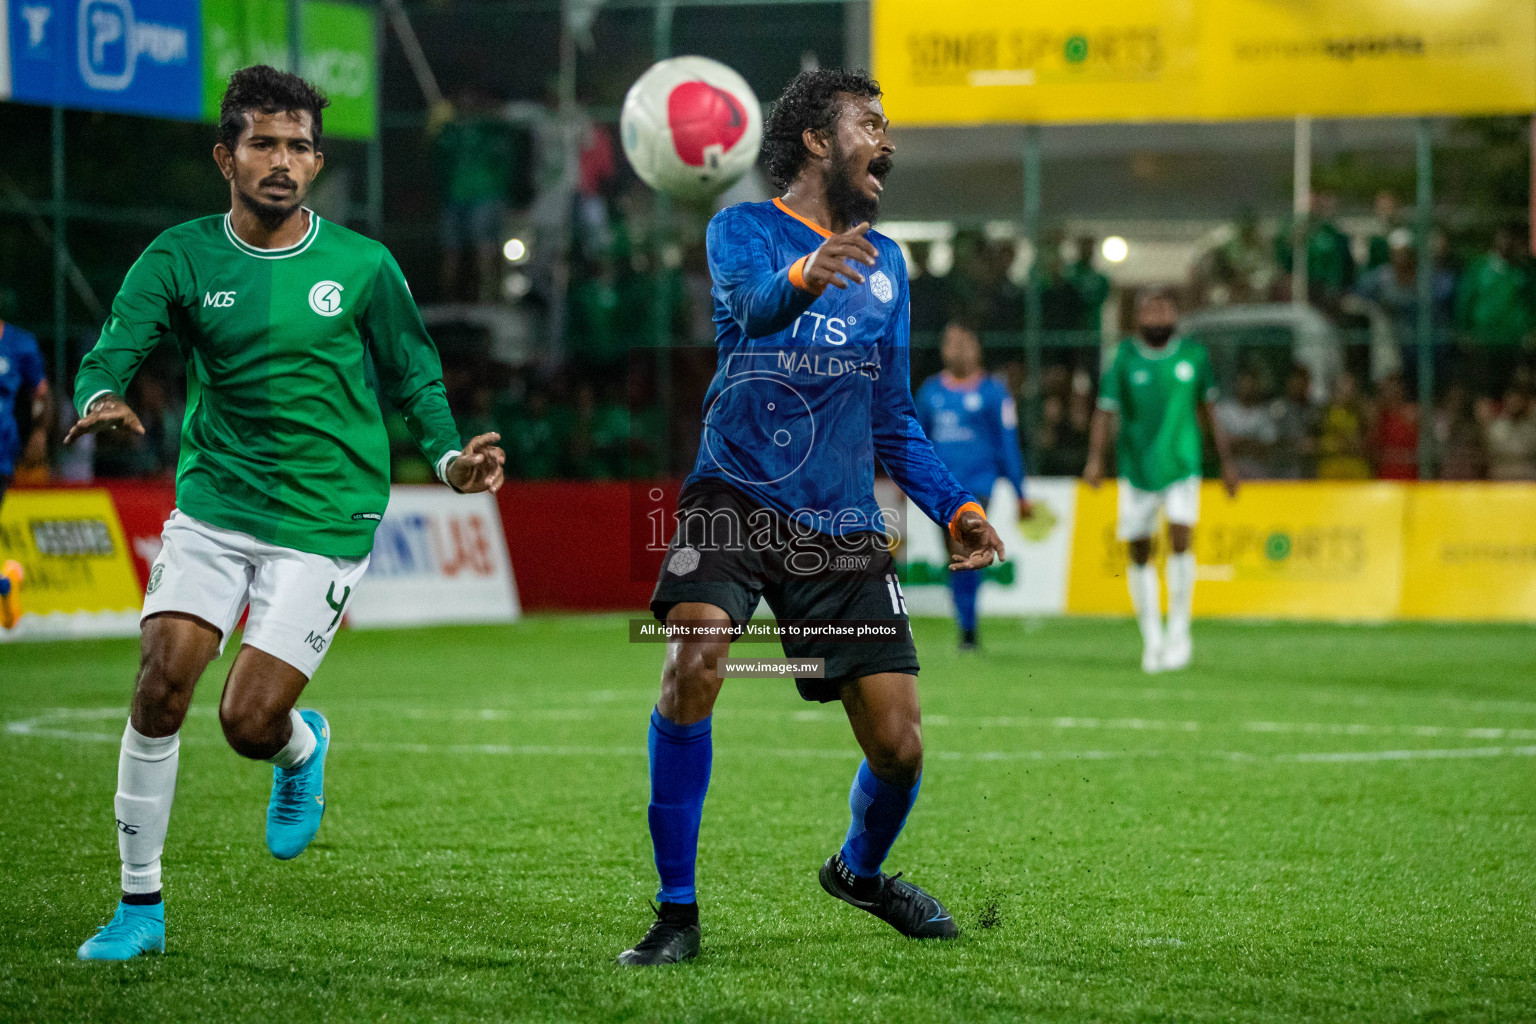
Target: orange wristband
(969,506)
(797,274)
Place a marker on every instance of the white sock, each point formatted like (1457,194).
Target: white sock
(146,785)
(1181,592)
(300,745)
(1142,580)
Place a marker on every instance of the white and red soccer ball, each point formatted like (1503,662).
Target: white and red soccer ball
(691,127)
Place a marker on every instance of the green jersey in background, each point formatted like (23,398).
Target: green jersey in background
(283,438)
(1157,393)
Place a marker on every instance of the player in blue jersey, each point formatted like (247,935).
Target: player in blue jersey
(22,387)
(975,429)
(811,392)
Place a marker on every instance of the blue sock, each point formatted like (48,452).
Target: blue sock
(879,810)
(680,759)
(965,586)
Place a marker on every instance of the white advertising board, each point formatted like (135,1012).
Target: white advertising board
(1034,579)
(438,557)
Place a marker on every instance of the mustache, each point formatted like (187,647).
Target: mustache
(277,179)
(880,166)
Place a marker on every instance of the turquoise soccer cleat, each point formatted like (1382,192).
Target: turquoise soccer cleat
(298,796)
(132,930)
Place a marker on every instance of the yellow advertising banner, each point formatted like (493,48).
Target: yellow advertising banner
(973,62)
(79,575)
(1471,552)
(1280,550)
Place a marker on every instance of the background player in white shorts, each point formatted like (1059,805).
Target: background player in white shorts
(1160,388)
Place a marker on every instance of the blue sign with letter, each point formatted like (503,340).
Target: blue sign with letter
(130,56)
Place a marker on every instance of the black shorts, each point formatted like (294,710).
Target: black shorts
(729,551)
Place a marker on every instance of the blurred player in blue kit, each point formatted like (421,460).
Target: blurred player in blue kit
(974,426)
(23,393)
(812,390)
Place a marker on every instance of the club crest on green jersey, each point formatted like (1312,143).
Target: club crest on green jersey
(1185,370)
(325,298)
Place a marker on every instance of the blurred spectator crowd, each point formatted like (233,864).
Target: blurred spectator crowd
(600,345)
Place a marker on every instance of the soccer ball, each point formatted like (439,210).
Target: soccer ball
(691,127)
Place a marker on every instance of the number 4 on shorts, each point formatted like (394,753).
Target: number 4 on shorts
(338,606)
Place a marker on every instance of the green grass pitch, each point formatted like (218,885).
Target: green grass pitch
(1313,823)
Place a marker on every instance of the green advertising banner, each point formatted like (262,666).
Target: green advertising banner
(337,55)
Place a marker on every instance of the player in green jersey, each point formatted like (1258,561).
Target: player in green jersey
(1160,388)
(284,469)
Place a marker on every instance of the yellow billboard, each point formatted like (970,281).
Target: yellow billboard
(971,62)
(79,575)
(1471,552)
(1280,550)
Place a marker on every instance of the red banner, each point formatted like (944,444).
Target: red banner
(588,546)
(143,506)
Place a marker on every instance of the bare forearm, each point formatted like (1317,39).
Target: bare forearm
(1100,429)
(1219,437)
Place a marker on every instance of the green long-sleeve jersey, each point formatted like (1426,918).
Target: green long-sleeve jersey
(283,437)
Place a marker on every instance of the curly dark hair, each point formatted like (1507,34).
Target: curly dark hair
(263,88)
(808,101)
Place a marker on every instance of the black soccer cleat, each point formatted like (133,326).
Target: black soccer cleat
(968,642)
(899,904)
(672,937)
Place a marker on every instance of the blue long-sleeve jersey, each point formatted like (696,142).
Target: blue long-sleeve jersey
(975,430)
(21,369)
(809,391)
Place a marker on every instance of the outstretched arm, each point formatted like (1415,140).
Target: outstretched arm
(908,456)
(412,378)
(764,298)
(140,318)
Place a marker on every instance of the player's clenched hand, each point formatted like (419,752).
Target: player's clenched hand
(829,264)
(974,544)
(479,466)
(1093,473)
(108,412)
(1026,510)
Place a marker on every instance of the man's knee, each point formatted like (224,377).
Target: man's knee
(253,730)
(691,681)
(1140,550)
(168,673)
(898,754)
(1179,537)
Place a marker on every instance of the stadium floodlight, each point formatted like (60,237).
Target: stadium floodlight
(515,250)
(1115,249)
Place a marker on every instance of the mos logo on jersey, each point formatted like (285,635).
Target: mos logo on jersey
(325,298)
(219,300)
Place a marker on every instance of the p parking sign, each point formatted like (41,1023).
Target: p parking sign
(131,56)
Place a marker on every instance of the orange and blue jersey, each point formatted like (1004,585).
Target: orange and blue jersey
(21,370)
(974,427)
(811,390)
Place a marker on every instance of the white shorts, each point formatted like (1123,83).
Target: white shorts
(296,599)
(1137,518)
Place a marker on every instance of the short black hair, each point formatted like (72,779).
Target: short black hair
(263,88)
(808,101)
